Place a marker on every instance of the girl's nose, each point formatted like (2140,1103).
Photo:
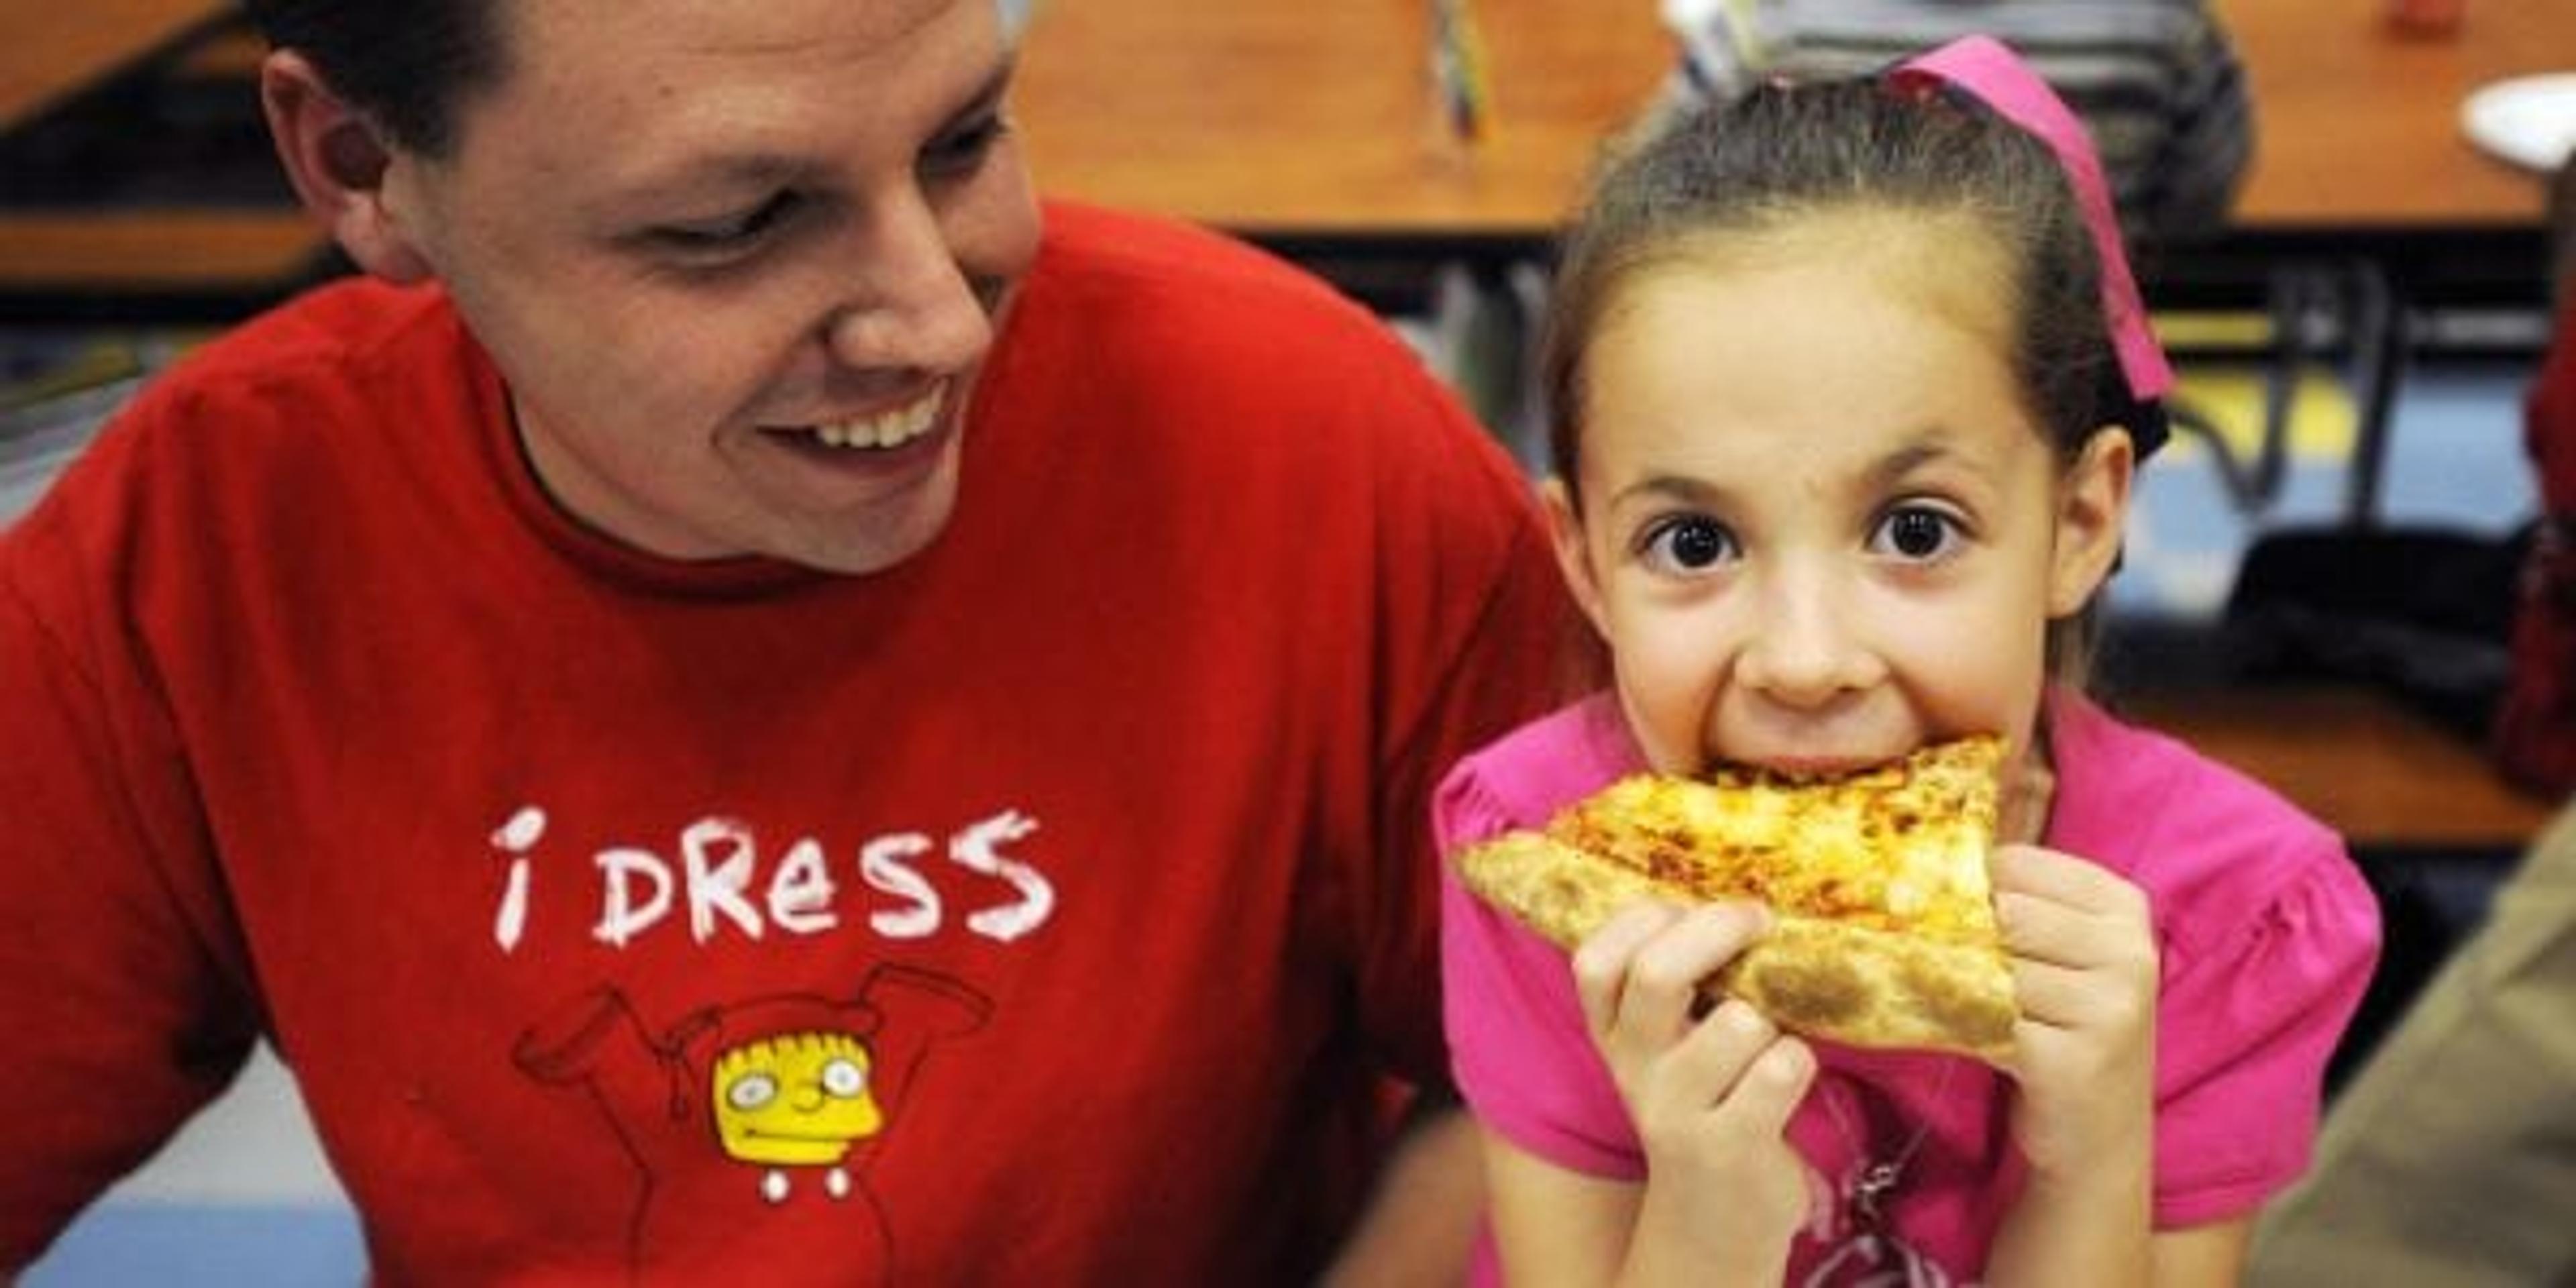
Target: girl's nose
(912,306)
(1804,650)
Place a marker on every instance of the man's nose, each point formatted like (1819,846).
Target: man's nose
(912,305)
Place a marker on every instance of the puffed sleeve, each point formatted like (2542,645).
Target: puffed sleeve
(2246,1022)
(1518,1045)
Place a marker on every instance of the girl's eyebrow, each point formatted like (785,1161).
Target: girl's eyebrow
(1925,449)
(1671,488)
(1934,444)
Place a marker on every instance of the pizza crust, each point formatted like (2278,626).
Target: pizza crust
(1876,989)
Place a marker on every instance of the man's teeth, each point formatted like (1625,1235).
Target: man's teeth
(890,429)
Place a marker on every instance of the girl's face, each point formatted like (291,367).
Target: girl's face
(1819,527)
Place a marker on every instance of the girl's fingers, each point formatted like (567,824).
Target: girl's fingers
(2041,930)
(1663,996)
(1734,1073)
(2064,879)
(2065,911)
(1640,974)
(1716,1054)
(2067,998)
(1601,962)
(1770,1089)
(2043,934)
(2050,994)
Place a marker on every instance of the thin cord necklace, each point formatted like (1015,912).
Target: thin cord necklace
(1871,1250)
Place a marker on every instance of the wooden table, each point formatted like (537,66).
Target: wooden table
(2383,776)
(1315,126)
(50,49)
(1318,120)
(2360,126)
(203,263)
(156,253)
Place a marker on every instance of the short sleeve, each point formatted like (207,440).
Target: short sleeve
(1467,647)
(1518,1046)
(121,1022)
(2248,1021)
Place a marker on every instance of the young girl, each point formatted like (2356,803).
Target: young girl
(1850,383)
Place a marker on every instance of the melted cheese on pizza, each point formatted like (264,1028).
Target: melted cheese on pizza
(1899,848)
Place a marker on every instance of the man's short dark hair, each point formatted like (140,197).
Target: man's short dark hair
(407,64)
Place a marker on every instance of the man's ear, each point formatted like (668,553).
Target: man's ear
(338,161)
(2092,517)
(1566,527)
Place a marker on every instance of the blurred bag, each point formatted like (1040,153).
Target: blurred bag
(2421,614)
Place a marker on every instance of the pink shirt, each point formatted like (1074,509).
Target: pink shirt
(2268,935)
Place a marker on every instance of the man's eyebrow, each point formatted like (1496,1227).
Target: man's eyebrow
(748,170)
(757,170)
(997,83)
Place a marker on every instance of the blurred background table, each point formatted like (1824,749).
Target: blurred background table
(2361,123)
(1317,129)
(1320,120)
(51,51)
(135,180)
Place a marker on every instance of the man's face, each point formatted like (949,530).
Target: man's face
(739,262)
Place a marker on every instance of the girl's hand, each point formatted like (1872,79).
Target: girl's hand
(2085,972)
(1711,1091)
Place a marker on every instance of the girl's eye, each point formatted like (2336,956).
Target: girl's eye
(1686,544)
(964,149)
(731,235)
(1916,532)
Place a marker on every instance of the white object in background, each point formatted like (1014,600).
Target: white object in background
(253,1146)
(2528,120)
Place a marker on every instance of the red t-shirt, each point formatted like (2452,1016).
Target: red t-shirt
(1073,879)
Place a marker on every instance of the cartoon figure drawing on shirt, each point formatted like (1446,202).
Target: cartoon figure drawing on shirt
(754,1115)
(799,1100)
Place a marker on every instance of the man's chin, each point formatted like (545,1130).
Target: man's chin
(874,542)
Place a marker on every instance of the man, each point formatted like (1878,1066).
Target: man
(753,705)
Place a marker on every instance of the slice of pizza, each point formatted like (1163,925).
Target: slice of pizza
(1884,929)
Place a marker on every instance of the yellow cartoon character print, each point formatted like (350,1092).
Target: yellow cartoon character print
(761,1113)
(797,1100)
